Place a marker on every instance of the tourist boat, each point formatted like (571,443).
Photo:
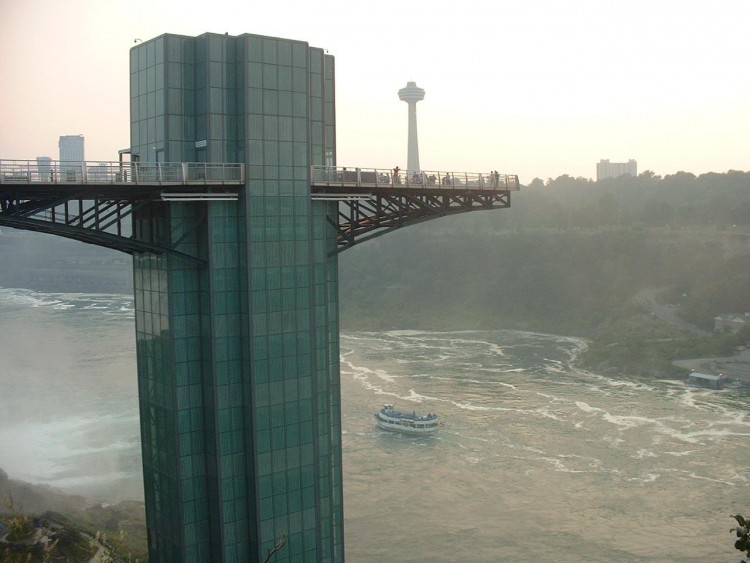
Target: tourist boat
(388,418)
(708,381)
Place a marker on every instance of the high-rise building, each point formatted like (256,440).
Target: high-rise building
(72,158)
(238,354)
(411,94)
(71,148)
(44,168)
(607,169)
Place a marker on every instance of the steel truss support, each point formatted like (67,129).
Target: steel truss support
(104,215)
(365,218)
(103,219)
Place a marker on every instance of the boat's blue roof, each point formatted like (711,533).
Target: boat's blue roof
(408,416)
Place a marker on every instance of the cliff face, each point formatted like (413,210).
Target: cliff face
(75,522)
(463,273)
(53,264)
(570,281)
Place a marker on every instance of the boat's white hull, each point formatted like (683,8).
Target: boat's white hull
(395,427)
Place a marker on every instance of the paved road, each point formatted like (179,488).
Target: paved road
(735,367)
(647,297)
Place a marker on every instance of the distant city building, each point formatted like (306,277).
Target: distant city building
(607,169)
(100,172)
(731,323)
(44,167)
(71,148)
(71,152)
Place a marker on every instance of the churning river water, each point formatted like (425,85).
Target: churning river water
(535,460)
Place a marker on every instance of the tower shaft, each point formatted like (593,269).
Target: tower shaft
(412,163)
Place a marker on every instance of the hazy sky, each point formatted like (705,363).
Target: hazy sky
(537,88)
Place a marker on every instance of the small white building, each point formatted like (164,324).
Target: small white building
(607,169)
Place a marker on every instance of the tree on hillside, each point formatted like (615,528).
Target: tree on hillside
(743,535)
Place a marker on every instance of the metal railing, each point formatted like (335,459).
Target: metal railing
(341,176)
(150,173)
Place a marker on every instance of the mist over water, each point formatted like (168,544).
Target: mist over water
(69,400)
(535,459)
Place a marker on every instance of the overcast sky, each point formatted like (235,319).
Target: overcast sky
(538,88)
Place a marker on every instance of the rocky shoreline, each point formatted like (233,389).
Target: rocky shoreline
(48,512)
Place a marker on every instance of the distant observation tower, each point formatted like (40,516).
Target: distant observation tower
(411,95)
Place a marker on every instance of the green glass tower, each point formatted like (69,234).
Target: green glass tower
(238,353)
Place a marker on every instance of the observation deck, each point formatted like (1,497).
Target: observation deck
(52,176)
(94,201)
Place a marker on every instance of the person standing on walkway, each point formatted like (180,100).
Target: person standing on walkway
(396,175)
